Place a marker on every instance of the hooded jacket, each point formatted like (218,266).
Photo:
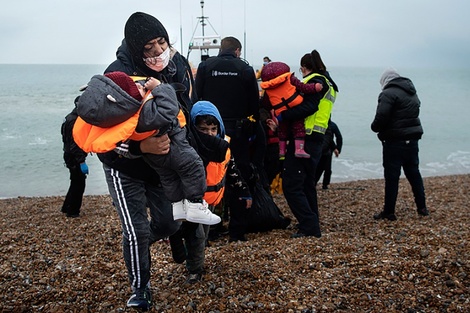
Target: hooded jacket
(221,170)
(104,104)
(397,115)
(177,71)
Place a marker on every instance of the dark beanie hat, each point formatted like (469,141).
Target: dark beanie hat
(141,28)
(126,83)
(274,69)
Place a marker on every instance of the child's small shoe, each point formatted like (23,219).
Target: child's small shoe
(199,213)
(299,149)
(300,153)
(179,211)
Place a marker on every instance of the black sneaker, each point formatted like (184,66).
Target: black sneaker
(193,278)
(423,212)
(140,300)
(385,216)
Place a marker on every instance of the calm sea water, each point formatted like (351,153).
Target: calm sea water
(35,98)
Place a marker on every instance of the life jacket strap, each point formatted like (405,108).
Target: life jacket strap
(216,187)
(285,102)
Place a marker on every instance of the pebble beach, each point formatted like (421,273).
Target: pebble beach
(50,263)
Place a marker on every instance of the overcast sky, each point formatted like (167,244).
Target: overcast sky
(399,33)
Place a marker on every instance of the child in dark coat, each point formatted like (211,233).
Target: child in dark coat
(223,177)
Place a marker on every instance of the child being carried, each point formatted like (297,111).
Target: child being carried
(285,91)
(115,101)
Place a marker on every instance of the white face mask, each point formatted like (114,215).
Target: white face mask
(158,63)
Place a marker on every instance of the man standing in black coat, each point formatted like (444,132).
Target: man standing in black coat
(399,129)
(230,84)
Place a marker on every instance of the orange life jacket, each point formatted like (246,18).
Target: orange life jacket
(91,138)
(215,179)
(282,94)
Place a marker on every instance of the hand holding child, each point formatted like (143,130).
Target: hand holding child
(151,83)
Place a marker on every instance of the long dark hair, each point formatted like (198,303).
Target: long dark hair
(313,62)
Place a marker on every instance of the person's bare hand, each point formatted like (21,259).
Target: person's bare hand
(156,145)
(249,202)
(151,83)
(271,124)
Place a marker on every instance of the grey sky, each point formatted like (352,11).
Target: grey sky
(411,33)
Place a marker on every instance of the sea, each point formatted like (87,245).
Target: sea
(34,100)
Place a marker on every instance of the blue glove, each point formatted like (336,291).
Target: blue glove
(84,168)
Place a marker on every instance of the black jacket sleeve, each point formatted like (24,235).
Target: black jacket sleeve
(73,155)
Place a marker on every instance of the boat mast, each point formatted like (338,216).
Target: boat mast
(204,43)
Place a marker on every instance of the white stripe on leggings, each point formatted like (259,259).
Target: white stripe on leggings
(133,245)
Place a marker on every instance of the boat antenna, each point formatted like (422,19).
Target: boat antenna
(204,43)
(181,29)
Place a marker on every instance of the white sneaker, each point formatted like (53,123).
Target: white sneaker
(200,213)
(179,211)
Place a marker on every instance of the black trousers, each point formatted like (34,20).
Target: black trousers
(397,155)
(74,197)
(324,167)
(298,184)
(238,223)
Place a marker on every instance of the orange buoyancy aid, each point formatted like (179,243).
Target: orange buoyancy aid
(215,179)
(91,138)
(282,94)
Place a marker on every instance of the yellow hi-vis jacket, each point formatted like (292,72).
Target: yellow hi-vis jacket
(215,179)
(318,122)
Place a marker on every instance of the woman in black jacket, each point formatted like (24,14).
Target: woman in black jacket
(399,129)
(132,183)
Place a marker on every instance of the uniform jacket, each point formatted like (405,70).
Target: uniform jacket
(230,84)
(397,115)
(308,107)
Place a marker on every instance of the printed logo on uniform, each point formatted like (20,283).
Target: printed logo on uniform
(219,73)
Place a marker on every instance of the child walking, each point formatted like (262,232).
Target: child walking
(224,180)
(115,102)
